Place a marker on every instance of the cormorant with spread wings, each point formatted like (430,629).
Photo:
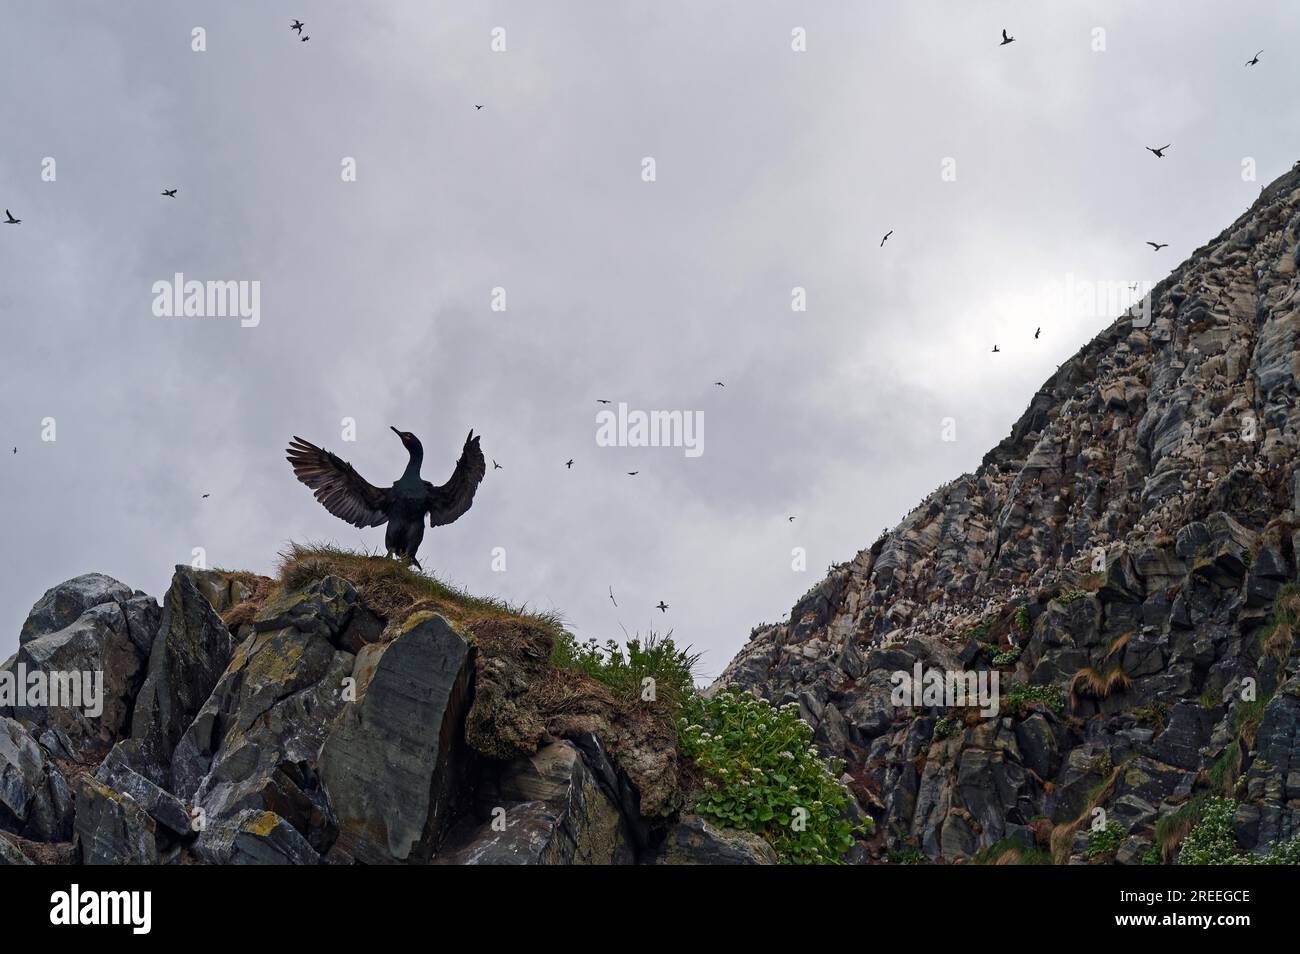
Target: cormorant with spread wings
(349,496)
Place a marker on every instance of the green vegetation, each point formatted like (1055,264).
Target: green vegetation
(658,658)
(1211,842)
(1105,840)
(1022,619)
(907,856)
(1021,696)
(980,631)
(945,727)
(1007,657)
(762,774)
(1277,636)
(1009,851)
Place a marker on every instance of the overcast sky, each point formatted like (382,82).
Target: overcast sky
(774,169)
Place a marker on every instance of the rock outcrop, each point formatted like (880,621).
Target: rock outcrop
(1119,561)
(314,719)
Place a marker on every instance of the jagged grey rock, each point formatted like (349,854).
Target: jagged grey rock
(111,829)
(35,801)
(188,656)
(388,763)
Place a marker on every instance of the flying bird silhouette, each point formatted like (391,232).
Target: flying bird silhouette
(601,401)
(479,107)
(205,496)
(611,596)
(1037,331)
(9,218)
(1158,245)
(886,238)
(569,463)
(170,193)
(995,349)
(403,506)
(1253,60)
(661,606)
(719,384)
(633,473)
(297,25)
(495,465)
(1158,153)
(791,519)
(305,39)
(1006,39)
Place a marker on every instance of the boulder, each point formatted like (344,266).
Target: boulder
(695,840)
(254,743)
(550,809)
(390,763)
(63,605)
(35,801)
(111,829)
(79,681)
(188,656)
(254,838)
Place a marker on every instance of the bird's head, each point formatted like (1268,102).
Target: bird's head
(409,441)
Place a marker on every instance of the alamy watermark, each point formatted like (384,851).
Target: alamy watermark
(214,299)
(59,689)
(633,428)
(945,689)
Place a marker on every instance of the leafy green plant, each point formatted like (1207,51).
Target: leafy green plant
(1022,618)
(762,774)
(907,856)
(1007,657)
(945,727)
(1022,695)
(625,669)
(1211,842)
(1105,840)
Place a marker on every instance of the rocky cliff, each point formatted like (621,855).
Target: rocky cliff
(348,711)
(1124,561)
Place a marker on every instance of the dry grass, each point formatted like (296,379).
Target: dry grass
(1095,685)
(394,591)
(1063,835)
(1118,644)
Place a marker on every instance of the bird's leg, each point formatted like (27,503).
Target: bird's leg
(417,563)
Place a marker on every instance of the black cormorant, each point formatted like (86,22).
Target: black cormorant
(348,495)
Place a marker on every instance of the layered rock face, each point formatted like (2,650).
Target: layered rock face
(250,721)
(1116,560)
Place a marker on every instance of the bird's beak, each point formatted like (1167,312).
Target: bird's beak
(398,433)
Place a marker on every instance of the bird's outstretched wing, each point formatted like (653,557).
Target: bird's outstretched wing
(448,502)
(339,488)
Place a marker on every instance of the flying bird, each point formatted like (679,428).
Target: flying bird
(791,519)
(305,39)
(661,606)
(297,25)
(719,384)
(205,496)
(995,349)
(1253,60)
(611,596)
(170,193)
(1037,332)
(886,238)
(403,506)
(1006,39)
(633,473)
(9,218)
(495,465)
(479,107)
(601,401)
(1158,153)
(569,463)
(1158,245)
